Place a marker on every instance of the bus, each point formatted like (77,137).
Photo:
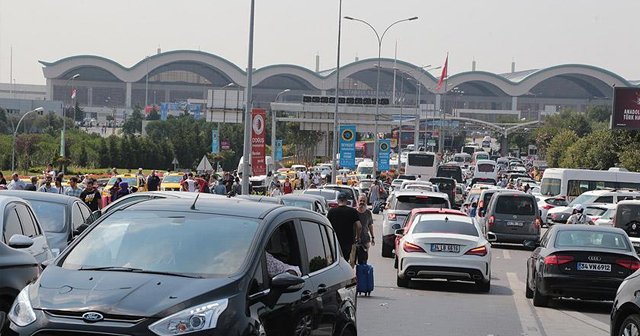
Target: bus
(421,163)
(571,183)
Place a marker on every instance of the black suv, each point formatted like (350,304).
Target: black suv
(197,266)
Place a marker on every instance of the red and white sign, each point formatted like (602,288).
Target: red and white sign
(258,138)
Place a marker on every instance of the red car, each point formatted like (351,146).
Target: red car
(426,211)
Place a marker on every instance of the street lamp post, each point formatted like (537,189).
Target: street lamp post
(380,38)
(64,117)
(15,133)
(334,153)
(246,151)
(273,126)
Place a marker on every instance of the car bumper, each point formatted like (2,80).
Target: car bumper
(389,240)
(515,238)
(469,268)
(579,287)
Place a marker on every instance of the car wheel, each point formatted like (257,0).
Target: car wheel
(539,300)
(528,292)
(387,251)
(304,326)
(403,283)
(347,332)
(630,326)
(484,286)
(395,263)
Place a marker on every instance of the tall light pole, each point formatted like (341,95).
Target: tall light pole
(64,117)
(15,133)
(380,38)
(273,126)
(246,151)
(334,153)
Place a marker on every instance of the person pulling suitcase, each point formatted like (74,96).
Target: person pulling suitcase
(364,271)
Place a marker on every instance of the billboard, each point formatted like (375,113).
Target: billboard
(278,151)
(215,141)
(348,146)
(258,136)
(626,108)
(384,153)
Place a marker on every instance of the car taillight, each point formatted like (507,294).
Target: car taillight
(478,251)
(410,247)
(548,206)
(631,264)
(391,216)
(333,205)
(491,221)
(557,259)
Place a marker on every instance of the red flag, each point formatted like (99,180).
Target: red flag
(444,74)
(73,94)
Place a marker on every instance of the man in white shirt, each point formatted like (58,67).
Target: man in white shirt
(16,183)
(191,183)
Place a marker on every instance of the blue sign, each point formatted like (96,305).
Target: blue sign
(180,108)
(384,153)
(278,151)
(164,111)
(196,109)
(215,141)
(348,146)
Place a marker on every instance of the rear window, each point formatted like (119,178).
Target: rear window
(421,160)
(347,191)
(453,172)
(627,213)
(557,201)
(443,184)
(443,226)
(594,211)
(608,240)
(412,202)
(515,205)
(485,168)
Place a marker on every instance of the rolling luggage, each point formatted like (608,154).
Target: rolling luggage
(364,278)
(378,207)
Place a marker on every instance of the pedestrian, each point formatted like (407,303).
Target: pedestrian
(49,171)
(287,187)
(277,191)
(153,181)
(578,216)
(374,193)
(344,179)
(16,183)
(526,188)
(366,235)
(237,187)
(114,171)
(189,184)
(58,184)
(203,184)
(220,188)
(345,221)
(73,189)
(473,210)
(47,187)
(33,186)
(316,180)
(123,189)
(2,179)
(115,189)
(90,196)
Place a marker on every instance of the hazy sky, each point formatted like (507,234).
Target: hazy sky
(534,33)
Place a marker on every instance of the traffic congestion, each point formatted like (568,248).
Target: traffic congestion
(303,251)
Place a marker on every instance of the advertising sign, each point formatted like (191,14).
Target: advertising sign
(278,150)
(348,146)
(258,126)
(626,108)
(215,141)
(384,153)
(225,144)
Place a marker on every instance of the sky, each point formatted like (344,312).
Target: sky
(533,33)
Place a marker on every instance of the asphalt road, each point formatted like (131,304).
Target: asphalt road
(456,308)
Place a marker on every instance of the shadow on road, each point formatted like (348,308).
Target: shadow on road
(457,287)
(582,306)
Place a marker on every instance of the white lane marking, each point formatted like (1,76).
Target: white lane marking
(588,320)
(530,326)
(506,254)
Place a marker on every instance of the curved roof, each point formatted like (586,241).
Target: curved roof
(512,84)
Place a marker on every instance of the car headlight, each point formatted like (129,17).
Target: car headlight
(21,313)
(201,317)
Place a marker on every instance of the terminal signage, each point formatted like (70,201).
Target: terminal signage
(258,126)
(348,146)
(215,141)
(384,153)
(626,108)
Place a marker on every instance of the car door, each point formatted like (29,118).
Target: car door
(40,248)
(77,219)
(535,257)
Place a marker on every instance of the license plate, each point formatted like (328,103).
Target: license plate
(520,224)
(594,267)
(445,248)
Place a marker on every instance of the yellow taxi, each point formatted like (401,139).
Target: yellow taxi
(131,179)
(171,182)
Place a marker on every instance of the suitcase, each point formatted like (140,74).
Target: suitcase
(364,279)
(378,207)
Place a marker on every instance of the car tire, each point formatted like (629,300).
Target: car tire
(539,300)
(387,251)
(402,282)
(630,326)
(395,262)
(304,326)
(484,286)
(528,292)
(347,332)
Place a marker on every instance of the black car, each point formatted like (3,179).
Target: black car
(311,202)
(579,261)
(625,315)
(198,266)
(446,185)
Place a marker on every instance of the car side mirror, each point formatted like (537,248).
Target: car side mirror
(399,233)
(19,241)
(396,226)
(287,283)
(491,237)
(531,244)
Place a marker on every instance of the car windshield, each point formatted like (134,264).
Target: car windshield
(423,224)
(590,239)
(550,186)
(132,181)
(515,205)
(412,202)
(444,184)
(584,198)
(485,168)
(160,241)
(172,179)
(298,203)
(50,215)
(328,195)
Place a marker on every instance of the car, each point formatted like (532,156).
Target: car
(131,179)
(352,193)
(22,251)
(399,205)
(627,218)
(444,246)
(420,187)
(595,211)
(261,199)
(59,215)
(579,261)
(412,216)
(213,267)
(304,201)
(513,217)
(545,203)
(559,215)
(606,219)
(625,314)
(445,185)
(483,203)
(323,206)
(331,196)
(171,182)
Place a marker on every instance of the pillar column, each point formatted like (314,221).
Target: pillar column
(89,96)
(128,95)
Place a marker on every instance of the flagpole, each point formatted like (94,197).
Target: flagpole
(445,74)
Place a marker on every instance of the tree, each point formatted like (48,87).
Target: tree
(153,115)
(114,151)
(599,113)
(133,124)
(103,154)
(630,158)
(83,156)
(78,113)
(558,145)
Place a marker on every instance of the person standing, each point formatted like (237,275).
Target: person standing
(276,191)
(345,221)
(237,187)
(578,216)
(220,188)
(287,187)
(115,189)
(374,193)
(141,180)
(3,181)
(58,185)
(16,183)
(90,196)
(190,183)
(366,235)
(33,186)
(47,187)
(73,189)
(153,181)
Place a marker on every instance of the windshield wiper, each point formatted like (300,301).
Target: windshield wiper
(167,273)
(136,270)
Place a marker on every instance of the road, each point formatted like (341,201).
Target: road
(456,308)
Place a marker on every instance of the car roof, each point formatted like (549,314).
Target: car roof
(442,217)
(6,199)
(436,211)
(229,206)
(508,192)
(637,202)
(308,198)
(406,192)
(40,196)
(259,199)
(585,227)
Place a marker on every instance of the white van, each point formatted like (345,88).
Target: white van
(259,183)
(479,156)
(421,163)
(365,168)
(485,170)
(571,183)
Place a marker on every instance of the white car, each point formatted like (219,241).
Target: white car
(606,219)
(545,203)
(443,247)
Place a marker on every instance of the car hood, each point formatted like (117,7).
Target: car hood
(117,293)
